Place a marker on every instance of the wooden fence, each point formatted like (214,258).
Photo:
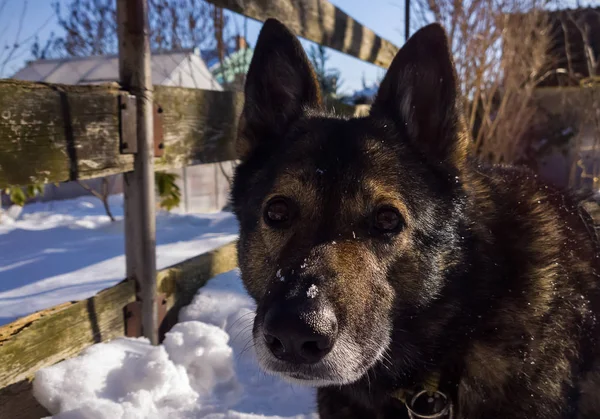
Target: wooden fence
(56,133)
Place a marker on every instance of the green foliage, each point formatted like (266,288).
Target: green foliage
(168,191)
(35,189)
(19,195)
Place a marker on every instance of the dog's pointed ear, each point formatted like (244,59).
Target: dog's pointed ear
(280,86)
(419,93)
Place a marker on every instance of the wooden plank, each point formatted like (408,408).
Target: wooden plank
(555,100)
(321,22)
(140,197)
(17,402)
(37,144)
(54,133)
(51,335)
(181,282)
(46,337)
(200,126)
(362,110)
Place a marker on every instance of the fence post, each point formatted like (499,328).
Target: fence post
(140,213)
(406,20)
(186,191)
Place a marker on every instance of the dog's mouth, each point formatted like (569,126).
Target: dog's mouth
(346,363)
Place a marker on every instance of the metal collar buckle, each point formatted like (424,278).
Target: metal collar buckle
(430,405)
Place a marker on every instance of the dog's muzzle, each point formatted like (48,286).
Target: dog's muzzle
(300,331)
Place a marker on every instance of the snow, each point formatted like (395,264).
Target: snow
(278,275)
(312,291)
(205,368)
(60,251)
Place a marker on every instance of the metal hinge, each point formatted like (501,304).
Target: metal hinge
(128,126)
(159,145)
(133,315)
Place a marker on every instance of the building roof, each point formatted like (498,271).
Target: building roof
(182,68)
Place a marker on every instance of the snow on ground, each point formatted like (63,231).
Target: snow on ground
(205,368)
(60,251)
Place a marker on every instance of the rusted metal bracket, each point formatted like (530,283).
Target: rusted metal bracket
(128,126)
(133,315)
(127,123)
(159,145)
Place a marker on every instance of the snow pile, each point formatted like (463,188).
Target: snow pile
(123,379)
(10,215)
(62,251)
(203,351)
(205,368)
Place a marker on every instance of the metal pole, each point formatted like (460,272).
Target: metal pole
(140,217)
(406,20)
(186,192)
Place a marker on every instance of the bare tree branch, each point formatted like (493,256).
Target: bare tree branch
(102,196)
(16,44)
(500,48)
(90,28)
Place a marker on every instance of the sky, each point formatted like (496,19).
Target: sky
(385,17)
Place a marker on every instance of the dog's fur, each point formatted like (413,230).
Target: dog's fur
(491,280)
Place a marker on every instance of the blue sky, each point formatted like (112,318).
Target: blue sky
(385,17)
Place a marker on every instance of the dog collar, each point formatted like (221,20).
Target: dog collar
(427,401)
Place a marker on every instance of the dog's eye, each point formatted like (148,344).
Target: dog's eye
(388,220)
(278,212)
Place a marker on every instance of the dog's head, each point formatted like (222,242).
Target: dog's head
(346,224)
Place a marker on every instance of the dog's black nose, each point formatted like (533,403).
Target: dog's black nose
(300,332)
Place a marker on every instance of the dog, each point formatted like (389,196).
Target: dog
(391,269)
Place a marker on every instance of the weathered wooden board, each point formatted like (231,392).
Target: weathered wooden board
(200,126)
(321,22)
(181,282)
(577,100)
(17,402)
(51,335)
(54,133)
